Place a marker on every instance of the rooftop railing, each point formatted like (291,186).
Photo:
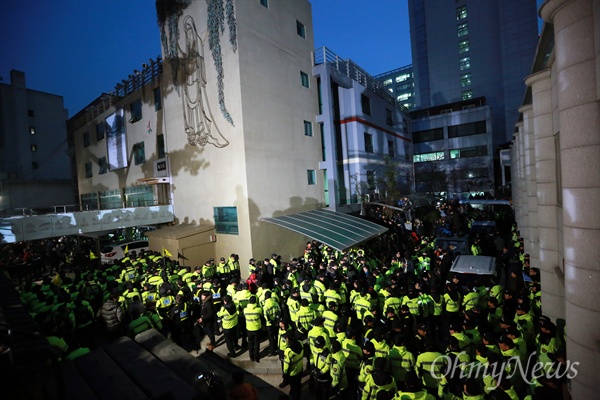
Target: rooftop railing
(353,71)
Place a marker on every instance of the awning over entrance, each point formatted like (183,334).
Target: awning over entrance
(338,230)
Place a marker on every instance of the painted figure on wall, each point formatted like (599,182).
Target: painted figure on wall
(200,126)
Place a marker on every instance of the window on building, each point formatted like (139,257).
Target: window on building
(387,82)
(365,102)
(102,166)
(226,220)
(370,180)
(32,130)
(463,30)
(391,149)
(136,111)
(160,146)
(139,196)
(110,199)
(300,30)
(308,131)
(30,113)
(311,176)
(88,169)
(465,80)
(33,148)
(139,153)
(86,139)
(464,63)
(35,165)
(100,130)
(402,78)
(368,142)
(468,152)
(323,147)
(461,13)
(320,95)
(429,135)
(403,97)
(157,99)
(304,79)
(388,117)
(434,156)
(463,46)
(473,128)
(467,94)
(264,3)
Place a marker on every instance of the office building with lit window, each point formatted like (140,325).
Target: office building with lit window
(401,85)
(469,49)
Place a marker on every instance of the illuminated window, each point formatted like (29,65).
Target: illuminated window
(387,82)
(465,80)
(463,30)
(463,46)
(467,94)
(461,13)
(402,78)
(32,130)
(464,63)
(435,156)
(404,96)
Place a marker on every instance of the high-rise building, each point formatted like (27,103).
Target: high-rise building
(469,48)
(462,51)
(35,171)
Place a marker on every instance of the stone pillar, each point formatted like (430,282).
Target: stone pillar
(531,241)
(576,25)
(552,281)
(523,223)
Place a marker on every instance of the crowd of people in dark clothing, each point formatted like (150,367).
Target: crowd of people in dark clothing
(379,321)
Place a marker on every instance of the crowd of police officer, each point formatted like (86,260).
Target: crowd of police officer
(360,323)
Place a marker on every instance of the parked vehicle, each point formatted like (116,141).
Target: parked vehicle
(470,268)
(115,251)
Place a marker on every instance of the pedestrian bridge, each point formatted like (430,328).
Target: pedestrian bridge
(34,227)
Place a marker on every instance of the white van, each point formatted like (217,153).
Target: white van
(115,251)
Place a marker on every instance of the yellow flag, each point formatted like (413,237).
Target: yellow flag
(126,249)
(166,253)
(92,255)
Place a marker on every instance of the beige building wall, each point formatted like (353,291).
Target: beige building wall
(259,162)
(563,98)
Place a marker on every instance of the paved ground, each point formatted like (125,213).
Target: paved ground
(265,375)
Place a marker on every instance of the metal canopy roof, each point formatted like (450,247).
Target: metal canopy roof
(338,230)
